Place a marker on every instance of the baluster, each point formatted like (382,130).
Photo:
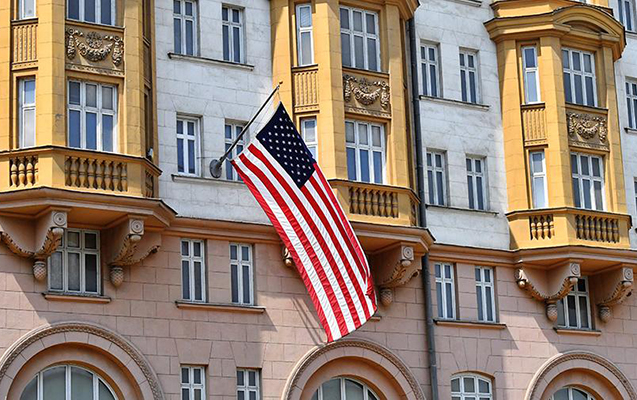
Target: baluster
(386,199)
(21,172)
(616,231)
(394,204)
(101,170)
(92,165)
(376,202)
(356,199)
(35,170)
(578,226)
(124,177)
(108,176)
(29,170)
(551,227)
(598,228)
(605,236)
(351,200)
(14,172)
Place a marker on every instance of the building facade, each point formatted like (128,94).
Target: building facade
(482,151)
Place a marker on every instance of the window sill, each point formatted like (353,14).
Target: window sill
(191,305)
(469,324)
(631,34)
(574,331)
(585,107)
(24,21)
(477,106)
(463,209)
(204,60)
(474,3)
(202,180)
(73,297)
(631,131)
(93,25)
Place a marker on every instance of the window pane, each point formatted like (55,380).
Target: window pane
(480,193)
(191,156)
(455,385)
(371,54)
(226,42)
(560,313)
(567,88)
(90,269)
(28,128)
(351,164)
(89,10)
(185,279)
(579,90)
(91,131)
(539,197)
(346,52)
(489,303)
(440,184)
(344,18)
(358,21)
(599,202)
(434,80)
(583,308)
(378,167)
(190,41)
(106,12)
(306,48)
(235,16)
(104,392)
(441,313)
(364,160)
(473,87)
(107,132)
(572,313)
(177,35)
(55,273)
(449,300)
(484,386)
(531,86)
(29,91)
(81,384)
(590,94)
(246,284)
(73,267)
(198,281)
(54,383)
(332,389)
(586,188)
(189,8)
(252,378)
(305,17)
(359,60)
(463,86)
(576,193)
(470,187)
(74,9)
(469,385)
(224,13)
(30,392)
(234,281)
(196,375)
(236,39)
(353,390)
(480,305)
(185,375)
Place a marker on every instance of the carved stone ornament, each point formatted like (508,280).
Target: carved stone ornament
(94,47)
(587,126)
(394,267)
(365,91)
(549,286)
(39,271)
(133,246)
(619,285)
(117,275)
(287,257)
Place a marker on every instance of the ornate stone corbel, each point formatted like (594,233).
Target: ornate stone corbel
(614,286)
(287,257)
(549,286)
(395,267)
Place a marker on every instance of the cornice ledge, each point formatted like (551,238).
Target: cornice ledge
(618,285)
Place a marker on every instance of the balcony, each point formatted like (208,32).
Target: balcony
(568,227)
(75,169)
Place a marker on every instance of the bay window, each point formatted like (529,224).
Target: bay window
(360,46)
(579,77)
(365,147)
(92,115)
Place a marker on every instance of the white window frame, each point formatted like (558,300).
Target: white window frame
(472,182)
(357,146)
(300,30)
(537,176)
(349,31)
(579,177)
(183,18)
(430,87)
(98,110)
(98,12)
(368,393)
(185,138)
(465,72)
(528,71)
(631,102)
(445,281)
(191,386)
(238,263)
(577,294)
(485,283)
(246,388)
(627,20)
(64,250)
(570,393)
(568,69)
(311,144)
(235,129)
(191,259)
(24,107)
(96,380)
(433,171)
(464,394)
(230,24)
(22,12)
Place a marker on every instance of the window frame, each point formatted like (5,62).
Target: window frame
(312,144)
(472,182)
(98,110)
(98,12)
(21,9)
(442,294)
(231,24)
(191,386)
(534,175)
(23,108)
(235,130)
(342,380)
(369,147)
(183,18)
(429,86)
(349,31)
(96,380)
(482,287)
(628,21)
(567,69)
(184,136)
(246,388)
(580,177)
(432,173)
(64,251)
(526,70)
(191,259)
(577,294)
(465,72)
(631,102)
(462,394)
(300,30)
(240,264)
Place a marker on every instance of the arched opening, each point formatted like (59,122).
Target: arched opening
(342,388)
(64,381)
(469,386)
(572,393)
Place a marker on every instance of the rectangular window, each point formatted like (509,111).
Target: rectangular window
(75,266)
(231,132)
(430,69)
(193,383)
(631,102)
(437,178)
(579,77)
(476,183)
(573,311)
(627,13)
(531,75)
(485,294)
(469,76)
(94,11)
(27,113)
(248,384)
(193,270)
(360,46)
(305,42)
(308,131)
(365,146)
(188,146)
(588,181)
(92,116)
(232,30)
(241,274)
(26,9)
(538,179)
(445,291)
(185,27)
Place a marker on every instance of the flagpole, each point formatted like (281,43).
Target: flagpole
(216,165)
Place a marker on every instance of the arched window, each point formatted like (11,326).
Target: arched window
(67,382)
(570,393)
(471,387)
(344,389)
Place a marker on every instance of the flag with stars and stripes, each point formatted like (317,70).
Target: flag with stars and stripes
(283,176)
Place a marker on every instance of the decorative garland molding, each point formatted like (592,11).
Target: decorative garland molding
(93,47)
(587,130)
(362,90)
(21,346)
(619,285)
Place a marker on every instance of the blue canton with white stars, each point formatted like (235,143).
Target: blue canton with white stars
(285,144)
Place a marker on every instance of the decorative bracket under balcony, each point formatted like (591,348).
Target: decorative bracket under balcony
(549,286)
(614,286)
(131,245)
(394,267)
(35,240)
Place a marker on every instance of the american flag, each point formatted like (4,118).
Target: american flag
(281,173)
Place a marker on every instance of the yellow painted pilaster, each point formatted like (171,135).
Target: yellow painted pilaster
(132,138)
(281,49)
(5,74)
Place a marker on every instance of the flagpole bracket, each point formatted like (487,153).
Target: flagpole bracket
(216,167)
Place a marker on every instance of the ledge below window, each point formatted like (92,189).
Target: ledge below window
(463,209)
(469,324)
(474,3)
(573,331)
(72,297)
(632,131)
(189,305)
(202,179)
(481,107)
(204,60)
